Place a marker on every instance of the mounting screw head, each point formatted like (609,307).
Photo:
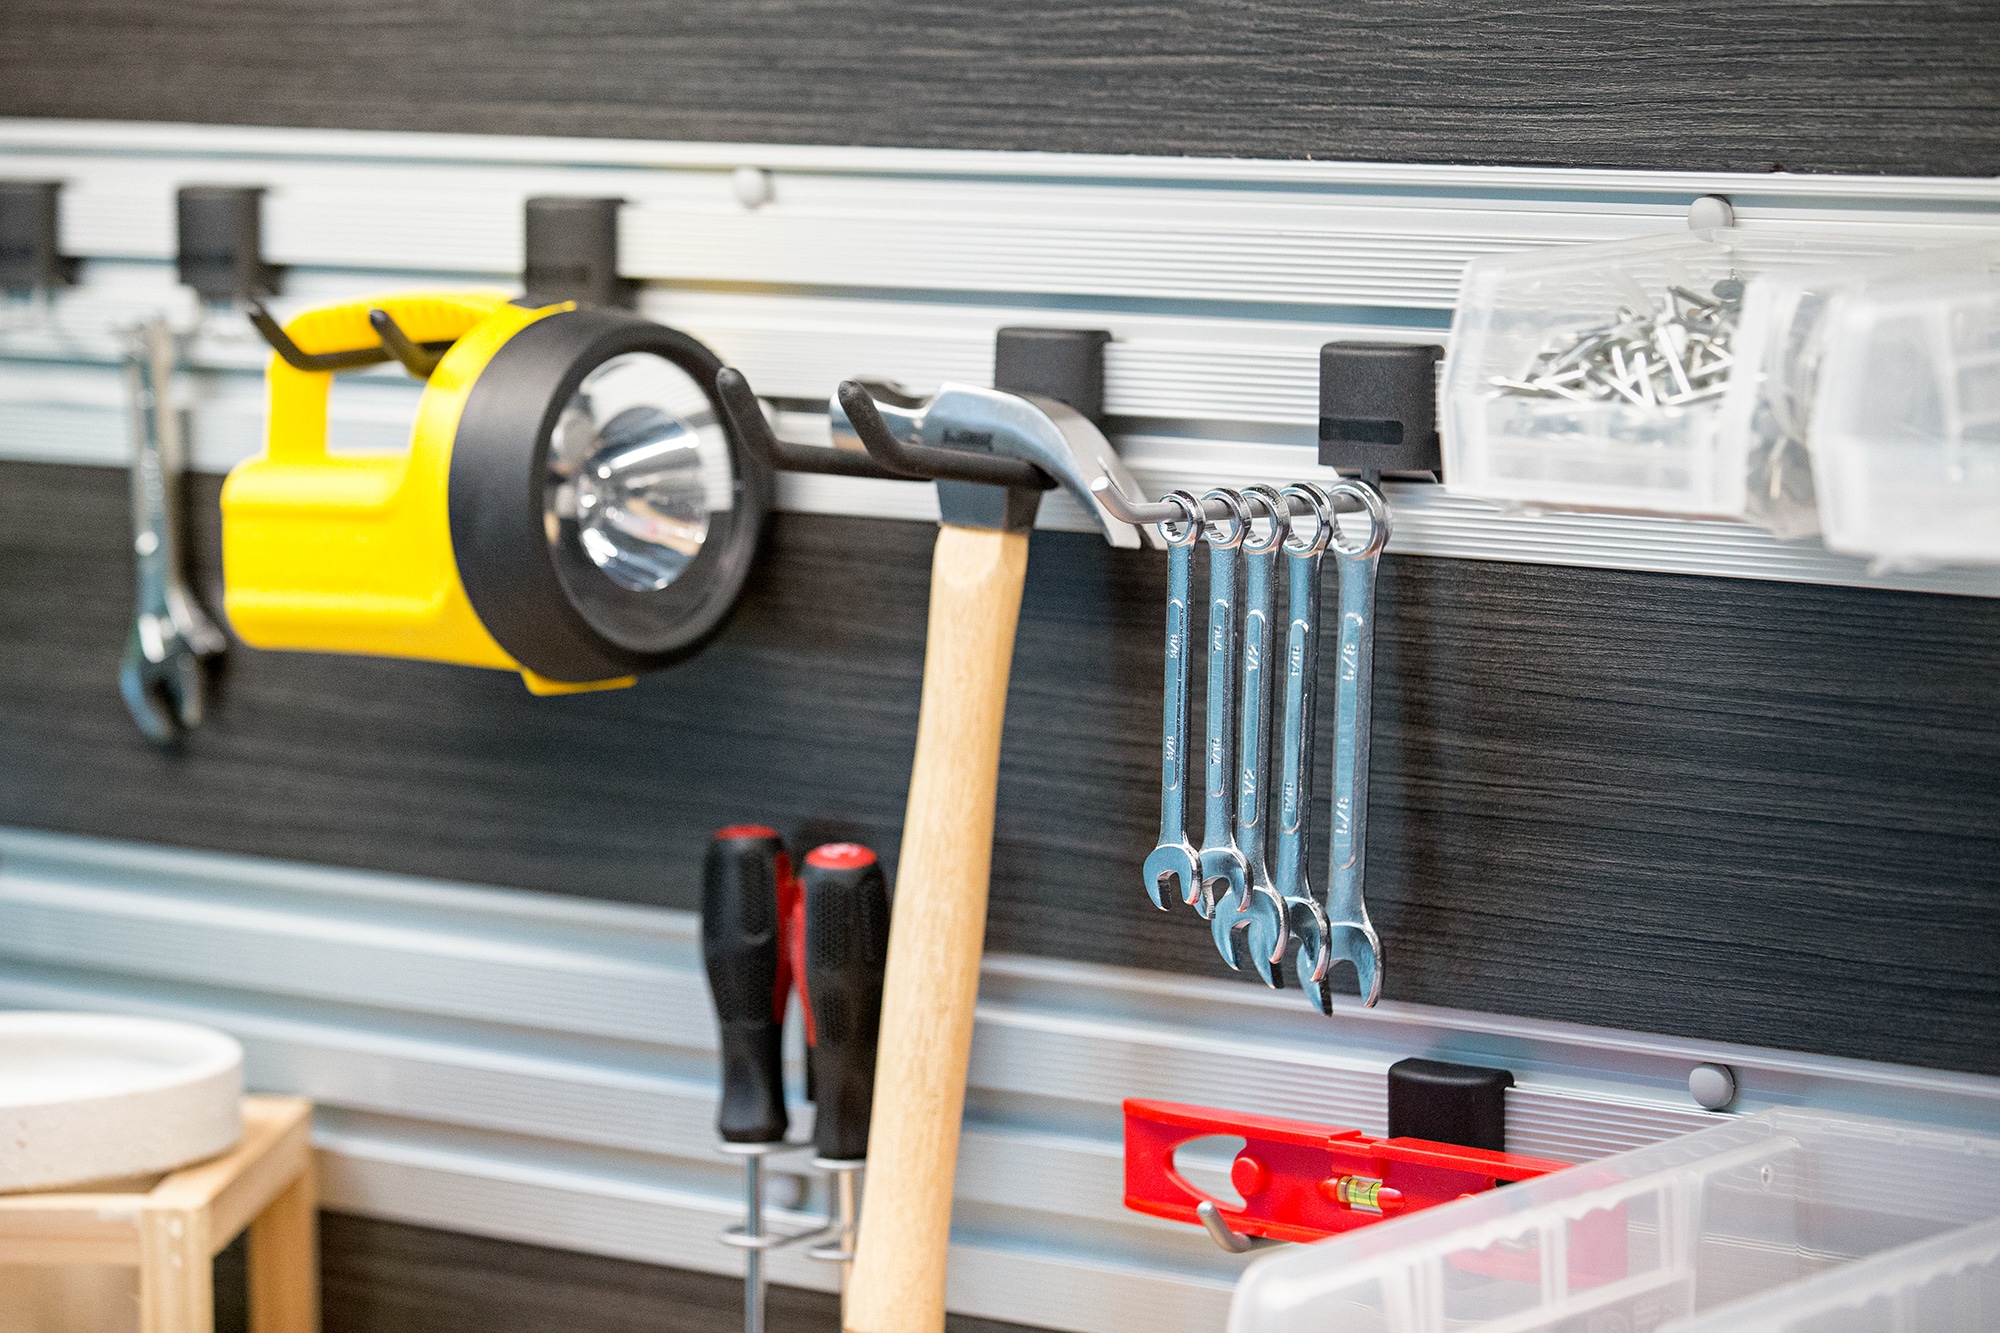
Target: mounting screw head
(1713,1087)
(753,186)
(1711,210)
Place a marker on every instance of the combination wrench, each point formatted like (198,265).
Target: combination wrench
(1252,921)
(1350,936)
(1224,873)
(161,675)
(1175,859)
(1292,876)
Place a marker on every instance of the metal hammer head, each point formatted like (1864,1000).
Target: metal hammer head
(1050,435)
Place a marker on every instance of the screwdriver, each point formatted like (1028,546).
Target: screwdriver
(746,890)
(846,950)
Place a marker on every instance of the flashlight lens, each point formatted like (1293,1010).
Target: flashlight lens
(638,464)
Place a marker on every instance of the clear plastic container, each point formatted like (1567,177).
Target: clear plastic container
(1667,452)
(1635,1241)
(1905,421)
(1949,1284)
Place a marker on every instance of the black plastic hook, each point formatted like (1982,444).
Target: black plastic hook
(298,359)
(419,360)
(740,404)
(922,461)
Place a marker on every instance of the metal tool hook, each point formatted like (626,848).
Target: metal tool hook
(1221,1233)
(740,405)
(1142,513)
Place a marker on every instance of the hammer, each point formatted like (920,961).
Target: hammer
(992,455)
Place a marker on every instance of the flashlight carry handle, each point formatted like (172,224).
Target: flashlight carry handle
(742,948)
(846,949)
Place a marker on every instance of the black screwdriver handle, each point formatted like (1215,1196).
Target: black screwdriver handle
(847,946)
(742,946)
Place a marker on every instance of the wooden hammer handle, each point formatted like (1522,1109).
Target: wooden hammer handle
(936,932)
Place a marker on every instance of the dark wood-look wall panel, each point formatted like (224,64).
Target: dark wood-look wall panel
(384,1277)
(1721,809)
(1749,85)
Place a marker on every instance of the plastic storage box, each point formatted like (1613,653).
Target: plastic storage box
(1951,1282)
(1636,1241)
(1657,447)
(1905,421)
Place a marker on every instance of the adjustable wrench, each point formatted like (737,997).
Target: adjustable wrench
(1175,857)
(1253,921)
(1350,936)
(1224,873)
(1292,876)
(161,675)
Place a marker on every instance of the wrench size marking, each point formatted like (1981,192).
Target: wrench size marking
(1249,920)
(1173,869)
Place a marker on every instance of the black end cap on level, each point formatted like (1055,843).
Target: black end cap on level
(221,243)
(571,248)
(1378,408)
(1448,1103)
(1064,364)
(31,258)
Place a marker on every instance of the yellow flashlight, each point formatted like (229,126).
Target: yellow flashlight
(573,504)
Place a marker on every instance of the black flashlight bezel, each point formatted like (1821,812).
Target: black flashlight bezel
(497,497)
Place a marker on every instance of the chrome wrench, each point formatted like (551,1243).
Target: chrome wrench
(161,675)
(1223,870)
(1252,922)
(1292,875)
(1350,935)
(1175,859)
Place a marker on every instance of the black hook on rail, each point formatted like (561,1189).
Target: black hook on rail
(887,458)
(420,359)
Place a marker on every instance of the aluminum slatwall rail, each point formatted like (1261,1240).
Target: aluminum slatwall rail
(1219,279)
(541,1069)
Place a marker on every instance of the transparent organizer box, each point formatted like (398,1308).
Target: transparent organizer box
(1951,1282)
(1651,456)
(1633,1242)
(1905,419)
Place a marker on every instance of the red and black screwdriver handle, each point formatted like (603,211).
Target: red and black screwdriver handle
(746,894)
(846,948)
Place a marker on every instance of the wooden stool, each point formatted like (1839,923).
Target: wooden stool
(172,1231)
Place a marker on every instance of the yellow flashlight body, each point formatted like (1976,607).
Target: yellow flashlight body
(352,553)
